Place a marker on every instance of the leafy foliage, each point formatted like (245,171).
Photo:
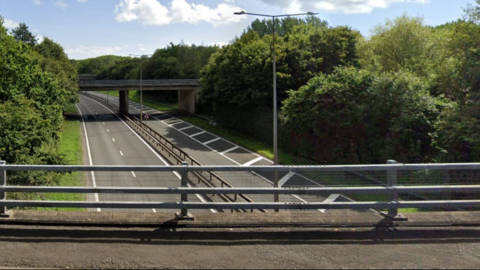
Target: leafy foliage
(33,93)
(360,117)
(22,33)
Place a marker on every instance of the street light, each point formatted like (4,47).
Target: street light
(141,94)
(275,143)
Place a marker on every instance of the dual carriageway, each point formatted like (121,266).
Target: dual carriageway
(109,140)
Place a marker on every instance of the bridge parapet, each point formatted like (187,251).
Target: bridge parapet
(135,83)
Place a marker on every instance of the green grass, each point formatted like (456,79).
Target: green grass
(71,108)
(71,146)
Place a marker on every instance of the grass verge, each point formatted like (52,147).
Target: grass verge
(70,145)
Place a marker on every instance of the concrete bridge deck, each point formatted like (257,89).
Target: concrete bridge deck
(335,219)
(147,85)
(408,246)
(188,90)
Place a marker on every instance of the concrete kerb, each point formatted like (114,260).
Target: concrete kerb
(240,220)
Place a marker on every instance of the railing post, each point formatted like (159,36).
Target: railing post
(3,195)
(184,197)
(392,180)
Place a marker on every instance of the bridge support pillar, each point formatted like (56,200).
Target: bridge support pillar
(187,100)
(123,101)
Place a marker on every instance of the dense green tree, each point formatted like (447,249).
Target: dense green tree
(283,26)
(359,117)
(241,73)
(22,33)
(54,61)
(404,43)
(31,103)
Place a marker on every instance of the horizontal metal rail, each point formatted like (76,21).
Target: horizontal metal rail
(261,191)
(246,206)
(332,168)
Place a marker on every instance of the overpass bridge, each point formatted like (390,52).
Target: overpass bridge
(188,90)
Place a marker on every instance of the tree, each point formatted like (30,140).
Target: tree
(21,33)
(3,30)
(54,61)
(404,43)
(355,116)
(472,13)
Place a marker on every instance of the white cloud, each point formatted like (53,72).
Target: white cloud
(220,44)
(141,47)
(336,6)
(152,12)
(40,38)
(82,1)
(61,4)
(37,2)
(91,51)
(9,24)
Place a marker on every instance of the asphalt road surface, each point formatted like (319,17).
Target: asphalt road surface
(109,141)
(210,149)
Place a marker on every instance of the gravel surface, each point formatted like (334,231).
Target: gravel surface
(133,248)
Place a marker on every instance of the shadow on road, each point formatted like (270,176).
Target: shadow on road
(241,237)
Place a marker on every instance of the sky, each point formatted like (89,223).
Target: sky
(90,28)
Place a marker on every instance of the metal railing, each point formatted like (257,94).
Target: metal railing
(112,83)
(389,189)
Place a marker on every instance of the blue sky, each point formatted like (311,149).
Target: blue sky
(90,28)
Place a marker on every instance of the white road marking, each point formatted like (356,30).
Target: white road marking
(173,123)
(284,179)
(113,139)
(156,154)
(214,140)
(252,161)
(121,153)
(185,128)
(134,174)
(89,156)
(108,130)
(198,133)
(104,123)
(229,150)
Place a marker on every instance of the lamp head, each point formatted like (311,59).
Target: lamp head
(311,13)
(240,12)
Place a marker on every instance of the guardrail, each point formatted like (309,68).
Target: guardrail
(183,190)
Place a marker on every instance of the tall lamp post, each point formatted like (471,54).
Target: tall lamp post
(275,142)
(141,92)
